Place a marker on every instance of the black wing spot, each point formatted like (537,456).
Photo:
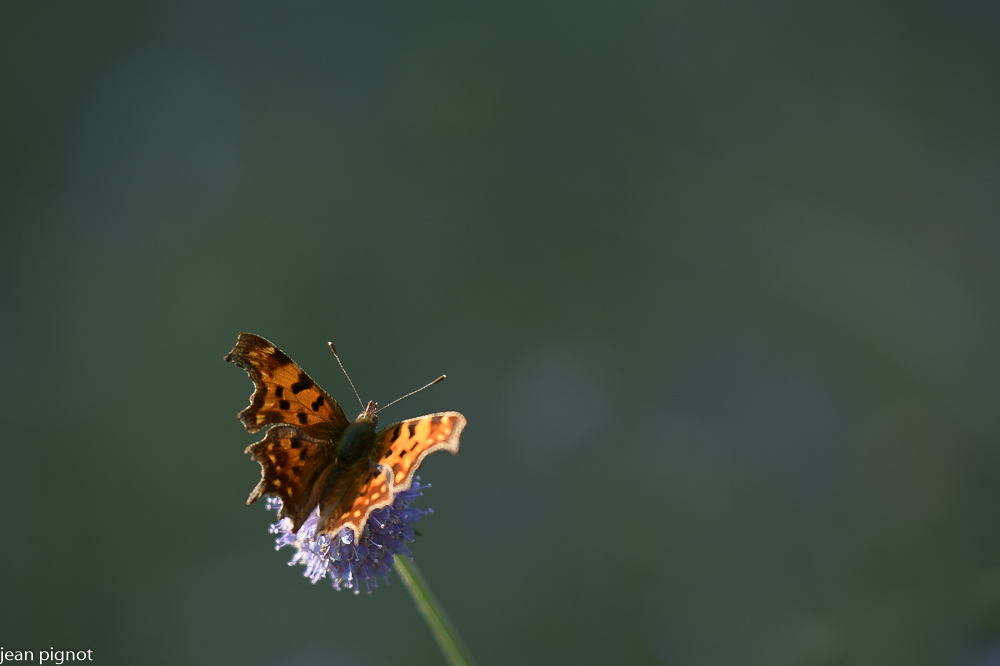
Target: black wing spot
(284,404)
(317,403)
(413,428)
(296,444)
(282,357)
(301,385)
(303,454)
(303,418)
(394,435)
(279,391)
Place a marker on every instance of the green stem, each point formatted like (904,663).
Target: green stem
(444,631)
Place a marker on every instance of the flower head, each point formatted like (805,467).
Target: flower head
(344,562)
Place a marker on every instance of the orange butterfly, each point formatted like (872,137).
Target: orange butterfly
(314,456)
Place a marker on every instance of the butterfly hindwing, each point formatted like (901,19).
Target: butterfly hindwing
(403,446)
(283,393)
(373,490)
(293,467)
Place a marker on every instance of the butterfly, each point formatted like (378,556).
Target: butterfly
(313,456)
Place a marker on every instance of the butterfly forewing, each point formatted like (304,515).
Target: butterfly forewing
(402,446)
(283,393)
(399,448)
(293,467)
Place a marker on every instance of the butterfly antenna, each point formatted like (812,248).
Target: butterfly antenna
(411,393)
(333,349)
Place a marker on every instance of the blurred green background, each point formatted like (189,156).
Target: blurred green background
(715,284)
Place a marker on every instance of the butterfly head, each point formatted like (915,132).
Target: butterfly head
(369,413)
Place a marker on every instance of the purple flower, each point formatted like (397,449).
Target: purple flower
(347,563)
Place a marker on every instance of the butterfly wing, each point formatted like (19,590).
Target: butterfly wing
(403,446)
(294,468)
(283,392)
(399,448)
(365,490)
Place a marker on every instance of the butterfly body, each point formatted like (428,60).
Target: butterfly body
(312,456)
(357,442)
